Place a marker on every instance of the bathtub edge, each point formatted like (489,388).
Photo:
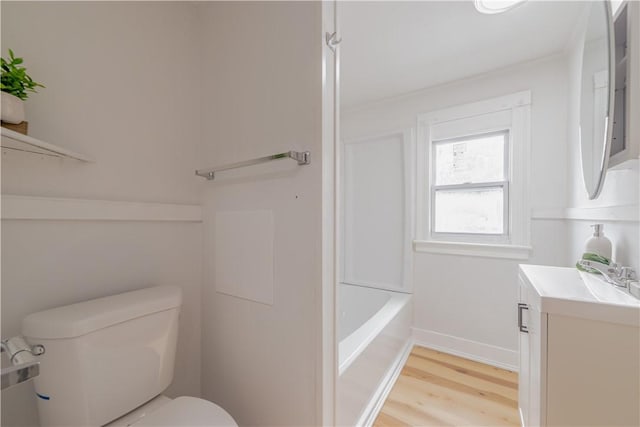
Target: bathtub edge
(381,319)
(375,405)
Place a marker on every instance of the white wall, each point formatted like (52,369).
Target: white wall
(262,95)
(123,88)
(467,304)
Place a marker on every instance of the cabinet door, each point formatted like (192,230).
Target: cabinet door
(523,375)
(537,326)
(532,330)
(593,372)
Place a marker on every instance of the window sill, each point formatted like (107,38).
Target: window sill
(473,249)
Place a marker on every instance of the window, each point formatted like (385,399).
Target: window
(470,190)
(472,169)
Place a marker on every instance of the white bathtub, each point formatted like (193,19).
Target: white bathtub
(374,333)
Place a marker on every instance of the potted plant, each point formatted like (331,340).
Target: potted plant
(15,85)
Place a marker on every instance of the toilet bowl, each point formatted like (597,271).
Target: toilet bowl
(180,412)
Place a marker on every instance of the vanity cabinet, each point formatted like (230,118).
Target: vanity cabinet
(579,353)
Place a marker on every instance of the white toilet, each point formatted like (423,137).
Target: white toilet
(108,360)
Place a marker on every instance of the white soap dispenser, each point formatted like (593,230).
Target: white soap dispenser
(599,244)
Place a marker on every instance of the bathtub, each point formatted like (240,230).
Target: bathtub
(374,333)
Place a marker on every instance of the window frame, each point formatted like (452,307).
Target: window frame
(509,113)
(504,184)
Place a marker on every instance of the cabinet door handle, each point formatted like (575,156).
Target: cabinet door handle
(522,327)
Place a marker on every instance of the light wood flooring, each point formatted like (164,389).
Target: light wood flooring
(438,389)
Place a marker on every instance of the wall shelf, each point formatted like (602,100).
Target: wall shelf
(16,141)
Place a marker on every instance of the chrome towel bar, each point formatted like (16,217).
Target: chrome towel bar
(302,157)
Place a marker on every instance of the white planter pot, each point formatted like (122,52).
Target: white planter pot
(12,109)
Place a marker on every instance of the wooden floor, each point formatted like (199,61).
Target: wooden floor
(438,389)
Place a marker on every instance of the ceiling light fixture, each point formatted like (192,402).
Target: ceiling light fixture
(492,7)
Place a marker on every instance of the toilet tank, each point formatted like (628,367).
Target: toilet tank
(104,357)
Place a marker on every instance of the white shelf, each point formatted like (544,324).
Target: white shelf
(16,141)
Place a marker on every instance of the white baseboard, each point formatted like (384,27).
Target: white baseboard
(374,406)
(480,352)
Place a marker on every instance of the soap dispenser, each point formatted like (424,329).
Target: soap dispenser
(599,244)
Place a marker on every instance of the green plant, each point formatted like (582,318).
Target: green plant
(14,79)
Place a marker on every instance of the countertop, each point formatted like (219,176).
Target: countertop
(569,292)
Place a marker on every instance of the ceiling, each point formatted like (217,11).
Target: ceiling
(390,48)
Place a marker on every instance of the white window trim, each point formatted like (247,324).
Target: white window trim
(488,250)
(517,246)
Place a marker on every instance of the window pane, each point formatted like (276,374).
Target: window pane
(478,211)
(473,160)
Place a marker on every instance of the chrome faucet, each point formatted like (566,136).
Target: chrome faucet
(622,277)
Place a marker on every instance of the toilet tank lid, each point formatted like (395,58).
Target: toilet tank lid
(82,318)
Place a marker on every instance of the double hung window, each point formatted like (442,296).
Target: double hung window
(470,191)
(472,173)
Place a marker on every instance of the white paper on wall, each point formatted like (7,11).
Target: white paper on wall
(243,255)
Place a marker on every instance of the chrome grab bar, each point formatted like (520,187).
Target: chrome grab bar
(302,157)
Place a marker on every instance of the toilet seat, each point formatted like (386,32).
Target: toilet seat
(187,412)
(181,412)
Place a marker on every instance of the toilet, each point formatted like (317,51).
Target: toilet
(108,360)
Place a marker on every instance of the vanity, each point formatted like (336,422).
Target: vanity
(579,350)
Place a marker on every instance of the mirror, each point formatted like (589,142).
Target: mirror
(596,96)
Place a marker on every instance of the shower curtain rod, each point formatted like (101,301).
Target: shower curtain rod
(302,157)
